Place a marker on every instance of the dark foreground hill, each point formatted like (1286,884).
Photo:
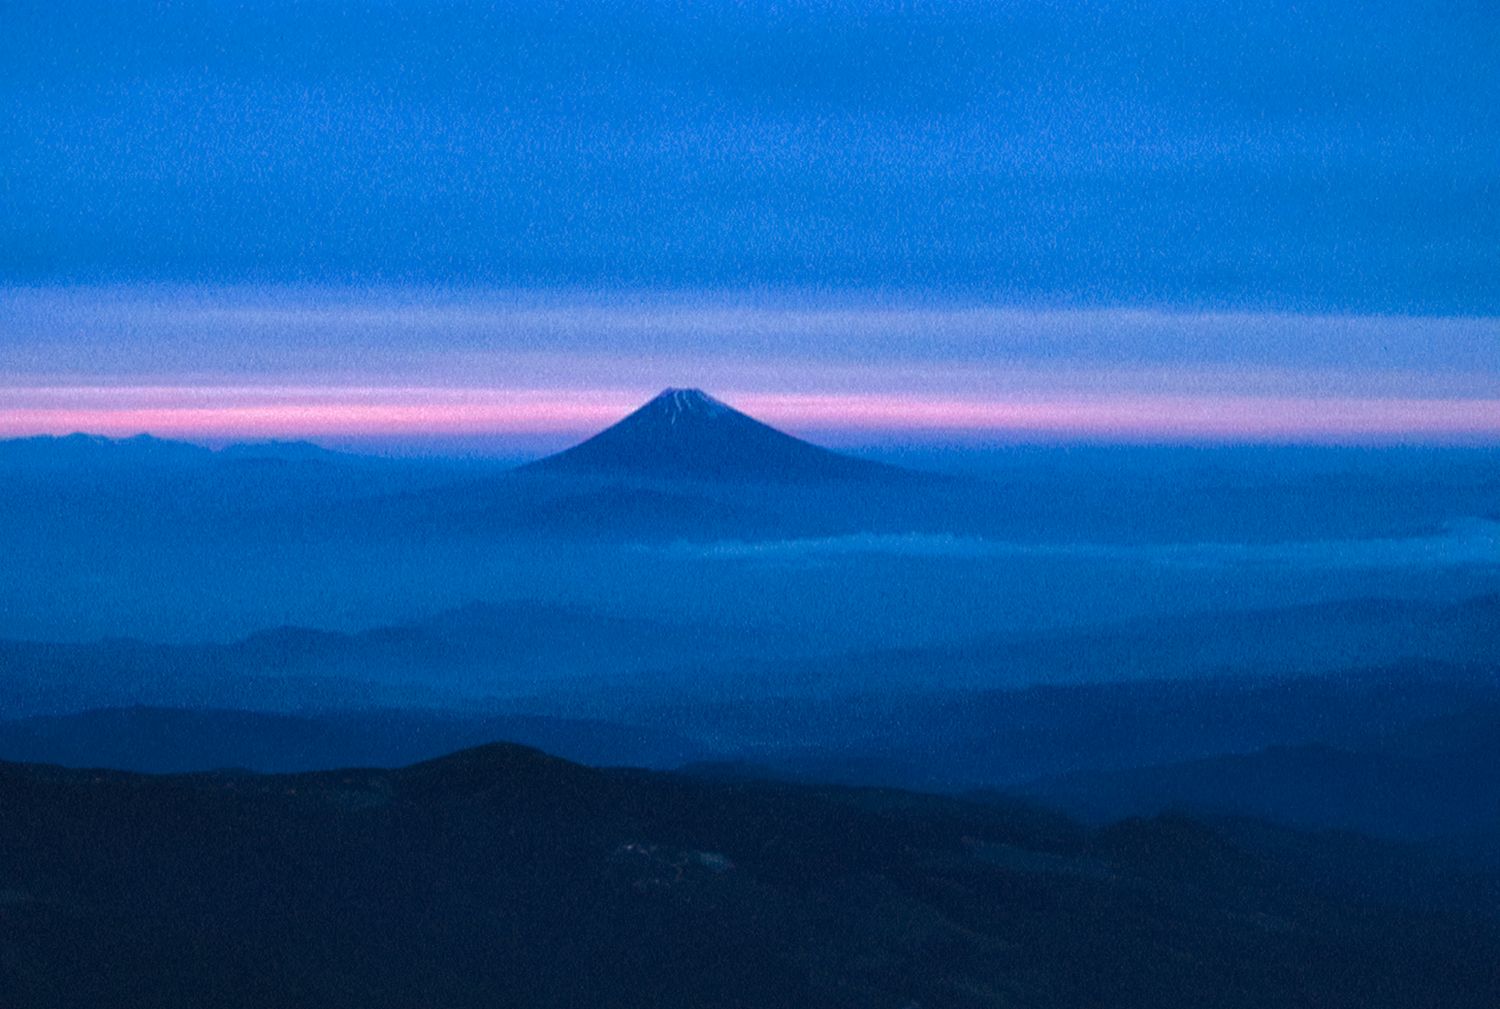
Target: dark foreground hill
(1435,782)
(502,877)
(177,740)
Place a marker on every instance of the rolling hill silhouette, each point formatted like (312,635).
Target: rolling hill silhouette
(501,876)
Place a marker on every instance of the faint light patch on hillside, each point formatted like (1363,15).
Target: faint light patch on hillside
(1463,543)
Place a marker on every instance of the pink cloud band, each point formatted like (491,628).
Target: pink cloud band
(208,412)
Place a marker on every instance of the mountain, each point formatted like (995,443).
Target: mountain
(174,740)
(92,451)
(1283,642)
(48,452)
(1434,781)
(958,740)
(468,657)
(996,714)
(687,434)
(686,467)
(500,876)
(287,451)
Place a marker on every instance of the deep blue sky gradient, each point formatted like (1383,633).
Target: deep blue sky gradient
(1322,157)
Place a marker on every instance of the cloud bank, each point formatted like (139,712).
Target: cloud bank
(1470,542)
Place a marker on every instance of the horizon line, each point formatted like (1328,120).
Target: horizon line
(403,414)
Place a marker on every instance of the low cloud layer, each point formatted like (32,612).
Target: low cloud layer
(1470,542)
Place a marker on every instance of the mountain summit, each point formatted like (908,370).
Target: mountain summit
(687,434)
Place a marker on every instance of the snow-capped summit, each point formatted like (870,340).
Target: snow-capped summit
(675,403)
(686,433)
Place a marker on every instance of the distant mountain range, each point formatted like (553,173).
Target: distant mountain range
(96,450)
(474,655)
(148,450)
(992,715)
(684,465)
(687,467)
(681,434)
(1437,780)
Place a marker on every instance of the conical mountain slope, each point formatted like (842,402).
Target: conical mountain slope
(687,434)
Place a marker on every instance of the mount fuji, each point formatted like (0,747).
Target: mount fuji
(686,466)
(688,434)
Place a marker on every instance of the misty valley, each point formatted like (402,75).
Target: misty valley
(738,720)
(1061,571)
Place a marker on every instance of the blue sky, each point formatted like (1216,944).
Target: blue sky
(1304,190)
(1317,156)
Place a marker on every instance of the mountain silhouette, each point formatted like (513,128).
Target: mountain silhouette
(500,876)
(688,434)
(97,451)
